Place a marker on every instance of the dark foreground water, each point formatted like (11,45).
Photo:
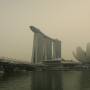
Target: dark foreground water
(46,80)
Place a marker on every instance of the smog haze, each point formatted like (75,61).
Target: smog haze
(66,20)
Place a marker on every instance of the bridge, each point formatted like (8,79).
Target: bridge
(46,55)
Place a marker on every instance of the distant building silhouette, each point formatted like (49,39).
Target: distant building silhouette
(80,54)
(88,51)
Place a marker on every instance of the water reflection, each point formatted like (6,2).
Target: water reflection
(71,80)
(46,80)
(15,81)
(50,80)
(85,80)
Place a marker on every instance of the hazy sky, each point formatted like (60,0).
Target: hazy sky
(67,20)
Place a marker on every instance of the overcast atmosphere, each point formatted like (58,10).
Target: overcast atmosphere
(67,20)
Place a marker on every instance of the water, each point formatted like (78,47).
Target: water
(46,80)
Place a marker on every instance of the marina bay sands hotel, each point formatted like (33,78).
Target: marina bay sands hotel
(44,47)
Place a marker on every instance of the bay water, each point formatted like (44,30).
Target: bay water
(46,80)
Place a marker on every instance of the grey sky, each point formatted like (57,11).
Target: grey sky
(67,20)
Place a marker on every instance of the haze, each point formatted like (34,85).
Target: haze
(67,20)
